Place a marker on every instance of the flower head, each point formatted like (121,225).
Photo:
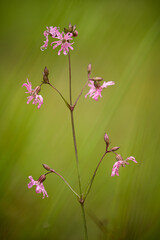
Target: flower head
(51,31)
(39,186)
(121,162)
(33,94)
(64,41)
(96,88)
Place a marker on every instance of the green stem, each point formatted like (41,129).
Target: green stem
(76,152)
(80,94)
(84,220)
(66,183)
(60,95)
(92,179)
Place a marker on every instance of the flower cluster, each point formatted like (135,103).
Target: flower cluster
(121,162)
(63,39)
(38,99)
(39,186)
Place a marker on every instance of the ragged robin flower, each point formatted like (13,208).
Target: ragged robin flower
(39,185)
(96,88)
(121,162)
(38,99)
(64,41)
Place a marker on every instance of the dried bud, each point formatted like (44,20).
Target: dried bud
(114,149)
(46,71)
(42,178)
(89,68)
(46,167)
(119,157)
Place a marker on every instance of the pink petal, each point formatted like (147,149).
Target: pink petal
(132,159)
(106,84)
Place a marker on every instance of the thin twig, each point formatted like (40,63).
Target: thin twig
(92,179)
(67,184)
(60,95)
(80,94)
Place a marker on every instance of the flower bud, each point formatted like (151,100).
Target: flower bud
(74,28)
(114,149)
(70,27)
(42,178)
(65,30)
(46,71)
(75,33)
(89,68)
(106,139)
(46,167)
(119,157)
(45,79)
(45,75)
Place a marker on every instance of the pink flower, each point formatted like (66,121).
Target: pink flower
(116,166)
(39,186)
(64,41)
(96,88)
(33,94)
(52,31)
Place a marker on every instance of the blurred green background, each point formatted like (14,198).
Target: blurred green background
(122,41)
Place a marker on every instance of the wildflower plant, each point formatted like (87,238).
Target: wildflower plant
(64,40)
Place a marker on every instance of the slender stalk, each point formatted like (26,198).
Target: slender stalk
(60,95)
(67,184)
(94,174)
(80,94)
(76,152)
(70,82)
(84,221)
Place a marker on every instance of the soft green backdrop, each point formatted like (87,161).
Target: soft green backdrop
(122,41)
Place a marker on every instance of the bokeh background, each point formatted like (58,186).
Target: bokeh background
(122,41)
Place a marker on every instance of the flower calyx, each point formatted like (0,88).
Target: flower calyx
(42,178)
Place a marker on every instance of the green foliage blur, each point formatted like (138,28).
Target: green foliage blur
(121,39)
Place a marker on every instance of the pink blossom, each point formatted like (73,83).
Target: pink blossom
(116,166)
(96,89)
(39,186)
(64,41)
(52,31)
(38,99)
